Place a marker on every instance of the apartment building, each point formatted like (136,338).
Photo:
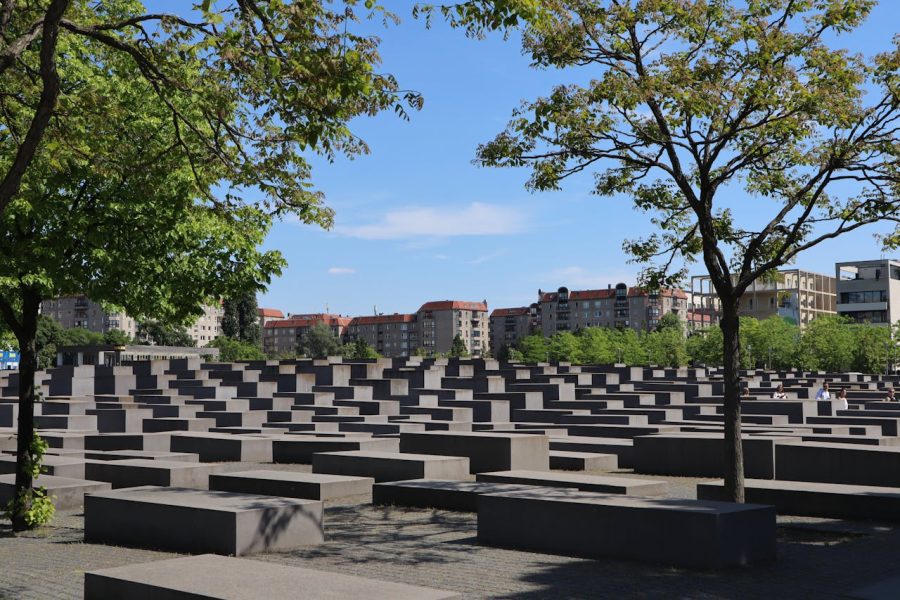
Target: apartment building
(389,335)
(268,314)
(81,311)
(286,335)
(794,294)
(869,291)
(620,307)
(439,322)
(509,325)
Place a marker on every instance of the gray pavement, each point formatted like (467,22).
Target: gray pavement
(818,558)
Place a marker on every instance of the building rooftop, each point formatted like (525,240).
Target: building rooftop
(309,321)
(454,305)
(271,312)
(376,319)
(509,312)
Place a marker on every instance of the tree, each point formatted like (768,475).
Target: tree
(165,334)
(143,156)
(666,347)
(775,342)
(240,320)
(359,349)
(117,337)
(534,348)
(267,80)
(670,321)
(691,101)
(872,346)
(458,348)
(319,342)
(231,350)
(564,346)
(705,347)
(596,346)
(827,344)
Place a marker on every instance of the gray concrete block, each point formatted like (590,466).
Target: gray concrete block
(67,493)
(445,495)
(300,449)
(830,500)
(391,466)
(585,483)
(140,471)
(687,533)
(221,447)
(223,578)
(187,520)
(486,451)
(583,461)
(314,486)
(703,454)
(839,463)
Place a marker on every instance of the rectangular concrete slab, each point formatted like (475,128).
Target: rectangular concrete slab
(830,500)
(223,578)
(314,486)
(188,520)
(300,449)
(582,461)
(486,451)
(689,533)
(141,471)
(391,466)
(220,447)
(67,493)
(445,495)
(585,483)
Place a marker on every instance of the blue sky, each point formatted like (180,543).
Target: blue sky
(483,236)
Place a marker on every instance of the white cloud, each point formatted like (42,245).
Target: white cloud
(477,218)
(579,277)
(341,271)
(487,257)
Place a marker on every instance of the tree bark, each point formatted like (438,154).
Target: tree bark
(28,365)
(734,449)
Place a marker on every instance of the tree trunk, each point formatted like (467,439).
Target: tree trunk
(734,449)
(28,365)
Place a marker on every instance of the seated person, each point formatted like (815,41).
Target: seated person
(840,401)
(823,395)
(779,393)
(890,395)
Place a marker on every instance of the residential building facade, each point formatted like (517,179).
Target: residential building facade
(616,307)
(389,335)
(794,294)
(439,322)
(285,335)
(509,325)
(869,291)
(268,314)
(81,311)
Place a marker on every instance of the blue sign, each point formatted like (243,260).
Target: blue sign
(9,360)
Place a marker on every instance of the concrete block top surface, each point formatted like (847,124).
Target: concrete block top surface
(474,434)
(404,456)
(293,476)
(712,507)
(52,482)
(569,477)
(226,578)
(201,499)
(812,486)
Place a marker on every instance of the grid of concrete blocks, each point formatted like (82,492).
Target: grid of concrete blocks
(545,454)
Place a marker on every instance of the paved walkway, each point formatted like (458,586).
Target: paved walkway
(817,559)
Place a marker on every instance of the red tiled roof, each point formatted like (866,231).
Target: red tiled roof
(509,312)
(309,321)
(548,297)
(454,305)
(698,317)
(591,294)
(271,312)
(374,320)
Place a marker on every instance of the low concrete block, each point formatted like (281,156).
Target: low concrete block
(314,486)
(187,520)
(300,449)
(222,447)
(223,578)
(486,451)
(445,495)
(391,466)
(68,493)
(582,461)
(839,463)
(59,466)
(141,471)
(585,483)
(703,454)
(689,533)
(830,500)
